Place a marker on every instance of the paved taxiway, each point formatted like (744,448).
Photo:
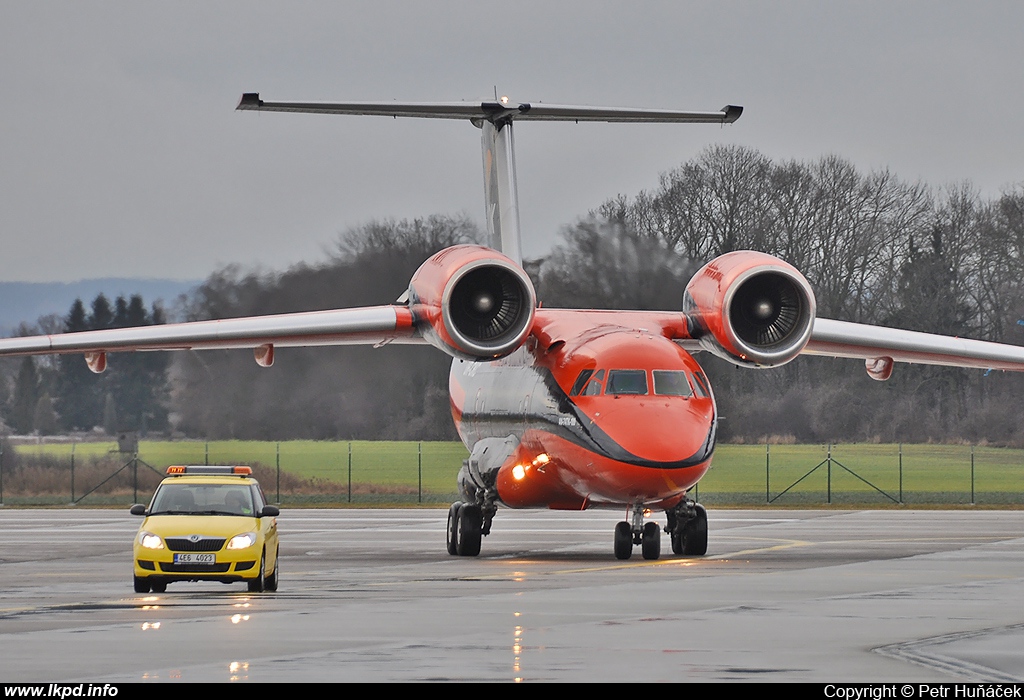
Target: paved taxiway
(371,595)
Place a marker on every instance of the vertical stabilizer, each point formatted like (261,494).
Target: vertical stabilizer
(501,192)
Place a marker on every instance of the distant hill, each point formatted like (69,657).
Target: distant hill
(27,301)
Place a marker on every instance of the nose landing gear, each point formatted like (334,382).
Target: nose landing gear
(637,532)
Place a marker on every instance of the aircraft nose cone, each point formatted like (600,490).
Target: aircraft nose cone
(659,431)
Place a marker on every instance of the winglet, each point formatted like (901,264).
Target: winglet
(732,112)
(250,100)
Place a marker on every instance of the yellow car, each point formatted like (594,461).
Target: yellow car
(207,523)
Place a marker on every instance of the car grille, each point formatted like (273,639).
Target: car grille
(194,568)
(184,544)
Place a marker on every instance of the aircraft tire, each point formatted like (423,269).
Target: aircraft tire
(453,528)
(623,540)
(694,534)
(650,546)
(677,542)
(470,530)
(141,584)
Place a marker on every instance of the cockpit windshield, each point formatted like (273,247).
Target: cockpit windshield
(671,383)
(626,381)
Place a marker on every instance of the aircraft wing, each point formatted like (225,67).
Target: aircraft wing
(879,344)
(374,325)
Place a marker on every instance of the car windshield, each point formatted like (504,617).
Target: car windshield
(202,499)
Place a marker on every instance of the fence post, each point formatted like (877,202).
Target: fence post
(901,472)
(349,471)
(278,472)
(829,472)
(419,471)
(72,473)
(972,475)
(206,454)
(767,472)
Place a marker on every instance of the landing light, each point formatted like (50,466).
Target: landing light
(518,472)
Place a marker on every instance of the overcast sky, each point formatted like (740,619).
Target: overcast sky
(121,153)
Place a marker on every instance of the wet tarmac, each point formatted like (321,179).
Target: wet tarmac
(372,595)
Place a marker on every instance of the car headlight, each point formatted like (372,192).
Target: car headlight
(150,541)
(247,539)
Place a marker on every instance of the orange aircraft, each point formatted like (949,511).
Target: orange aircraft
(564,408)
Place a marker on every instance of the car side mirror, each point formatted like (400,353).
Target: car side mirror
(138,509)
(270,512)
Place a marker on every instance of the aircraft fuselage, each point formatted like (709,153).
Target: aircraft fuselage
(610,416)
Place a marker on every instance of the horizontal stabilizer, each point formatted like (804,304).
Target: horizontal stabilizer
(494,111)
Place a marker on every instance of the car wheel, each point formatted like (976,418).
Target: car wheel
(257,584)
(158,586)
(270,583)
(141,584)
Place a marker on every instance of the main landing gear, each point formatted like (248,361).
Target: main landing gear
(467,524)
(687,527)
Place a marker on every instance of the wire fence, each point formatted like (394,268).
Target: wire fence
(361,473)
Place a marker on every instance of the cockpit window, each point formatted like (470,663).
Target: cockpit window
(700,385)
(580,381)
(626,381)
(593,387)
(671,383)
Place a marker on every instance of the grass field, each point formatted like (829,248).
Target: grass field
(740,474)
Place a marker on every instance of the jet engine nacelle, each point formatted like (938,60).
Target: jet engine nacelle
(750,308)
(472,302)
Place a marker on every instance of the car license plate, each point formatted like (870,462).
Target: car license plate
(195,558)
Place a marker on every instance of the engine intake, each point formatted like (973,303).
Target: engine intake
(473,302)
(750,308)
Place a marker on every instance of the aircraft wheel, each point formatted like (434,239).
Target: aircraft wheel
(694,534)
(471,521)
(271,581)
(651,543)
(141,584)
(623,540)
(453,528)
(158,586)
(257,584)
(677,542)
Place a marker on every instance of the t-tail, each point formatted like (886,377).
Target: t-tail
(501,196)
